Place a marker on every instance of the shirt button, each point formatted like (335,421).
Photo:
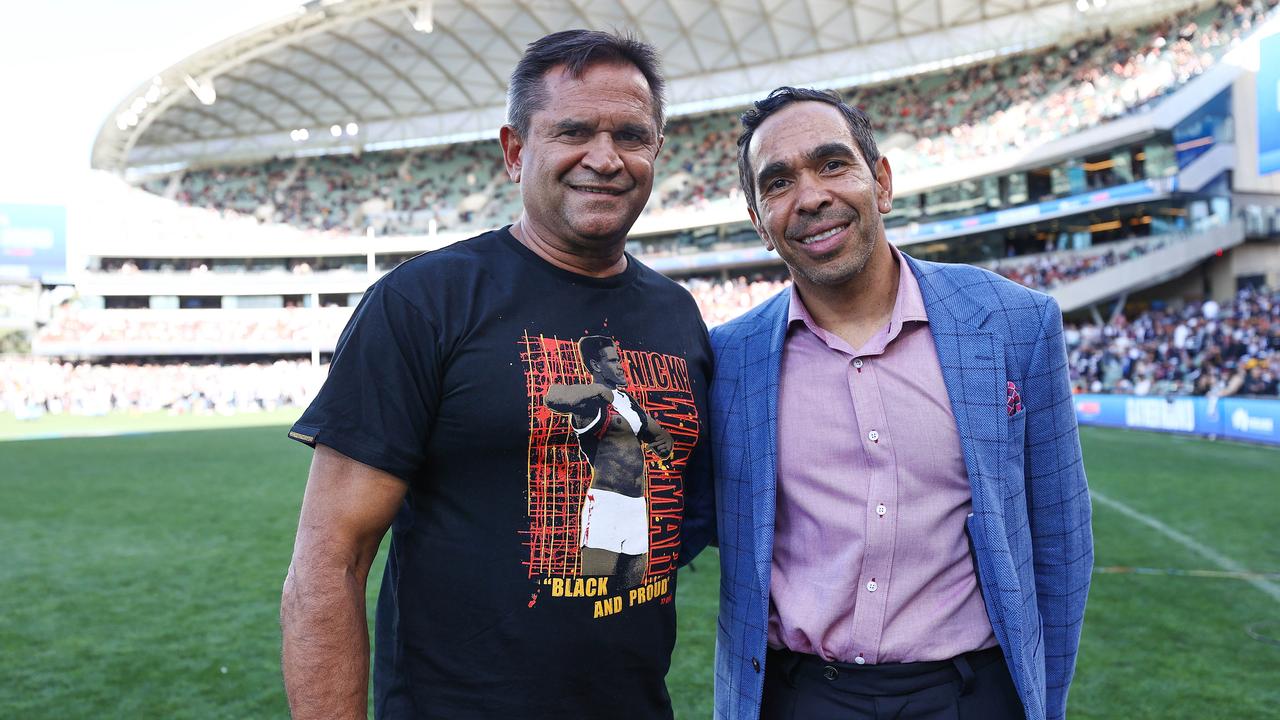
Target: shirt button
(873,436)
(857,363)
(881,509)
(755,664)
(871,586)
(859,660)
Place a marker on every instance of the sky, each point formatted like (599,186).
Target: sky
(66,64)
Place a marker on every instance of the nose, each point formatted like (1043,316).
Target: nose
(812,195)
(602,155)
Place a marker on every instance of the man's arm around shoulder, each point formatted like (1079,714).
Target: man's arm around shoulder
(346,509)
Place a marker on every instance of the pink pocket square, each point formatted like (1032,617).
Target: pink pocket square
(1015,400)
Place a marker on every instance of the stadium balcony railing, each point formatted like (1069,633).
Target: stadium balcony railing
(1165,261)
(262,282)
(230,331)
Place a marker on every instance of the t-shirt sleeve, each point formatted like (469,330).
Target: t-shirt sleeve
(378,402)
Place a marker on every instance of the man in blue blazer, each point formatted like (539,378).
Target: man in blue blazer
(903,517)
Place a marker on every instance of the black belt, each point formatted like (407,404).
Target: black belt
(886,678)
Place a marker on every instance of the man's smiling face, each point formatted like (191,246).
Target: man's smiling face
(586,167)
(817,201)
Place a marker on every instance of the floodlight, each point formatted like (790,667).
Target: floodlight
(204,92)
(303,134)
(1082,5)
(139,104)
(352,128)
(335,130)
(424,21)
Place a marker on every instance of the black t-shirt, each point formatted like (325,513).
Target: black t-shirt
(439,379)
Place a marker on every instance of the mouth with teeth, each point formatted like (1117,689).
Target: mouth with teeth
(822,240)
(598,190)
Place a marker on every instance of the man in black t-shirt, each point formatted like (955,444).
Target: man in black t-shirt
(614,535)
(452,415)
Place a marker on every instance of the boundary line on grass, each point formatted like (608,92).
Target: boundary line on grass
(1269,588)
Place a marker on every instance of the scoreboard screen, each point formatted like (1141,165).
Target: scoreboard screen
(1269,105)
(33,241)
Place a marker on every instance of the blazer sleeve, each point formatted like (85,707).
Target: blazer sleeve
(1058,507)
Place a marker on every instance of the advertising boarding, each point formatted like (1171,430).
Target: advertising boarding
(1245,419)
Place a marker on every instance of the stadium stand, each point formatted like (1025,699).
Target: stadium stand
(235,304)
(1198,349)
(926,121)
(30,388)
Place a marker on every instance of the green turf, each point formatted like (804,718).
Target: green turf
(119,422)
(136,568)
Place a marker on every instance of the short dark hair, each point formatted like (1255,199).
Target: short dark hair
(591,347)
(859,127)
(577,50)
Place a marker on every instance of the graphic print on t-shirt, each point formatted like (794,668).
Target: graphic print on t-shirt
(610,432)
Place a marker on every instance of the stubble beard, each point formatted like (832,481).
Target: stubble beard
(840,271)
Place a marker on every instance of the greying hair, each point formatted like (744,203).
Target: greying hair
(577,50)
(859,127)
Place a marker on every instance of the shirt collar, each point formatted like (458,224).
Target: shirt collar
(907,307)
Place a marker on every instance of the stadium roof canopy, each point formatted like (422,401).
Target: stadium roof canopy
(409,72)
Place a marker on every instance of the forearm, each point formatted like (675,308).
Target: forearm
(575,398)
(326,642)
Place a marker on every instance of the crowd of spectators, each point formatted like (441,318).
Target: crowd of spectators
(721,300)
(1047,271)
(203,328)
(1197,349)
(31,388)
(924,121)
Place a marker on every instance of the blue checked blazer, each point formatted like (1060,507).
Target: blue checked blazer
(1029,529)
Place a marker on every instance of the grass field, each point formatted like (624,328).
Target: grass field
(141,577)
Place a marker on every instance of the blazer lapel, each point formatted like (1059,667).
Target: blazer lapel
(761,364)
(973,371)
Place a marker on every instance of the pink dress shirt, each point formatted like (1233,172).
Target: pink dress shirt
(871,563)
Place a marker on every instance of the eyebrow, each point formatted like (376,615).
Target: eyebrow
(637,129)
(813,156)
(565,125)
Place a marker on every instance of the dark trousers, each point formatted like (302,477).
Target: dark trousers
(973,686)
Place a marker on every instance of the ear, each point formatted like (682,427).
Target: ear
(512,144)
(884,186)
(755,222)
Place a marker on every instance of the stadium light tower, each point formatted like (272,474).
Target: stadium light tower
(424,19)
(203,91)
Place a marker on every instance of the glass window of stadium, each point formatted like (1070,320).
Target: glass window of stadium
(199,302)
(1016,188)
(1158,159)
(1067,178)
(1107,169)
(253,301)
(962,197)
(126,302)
